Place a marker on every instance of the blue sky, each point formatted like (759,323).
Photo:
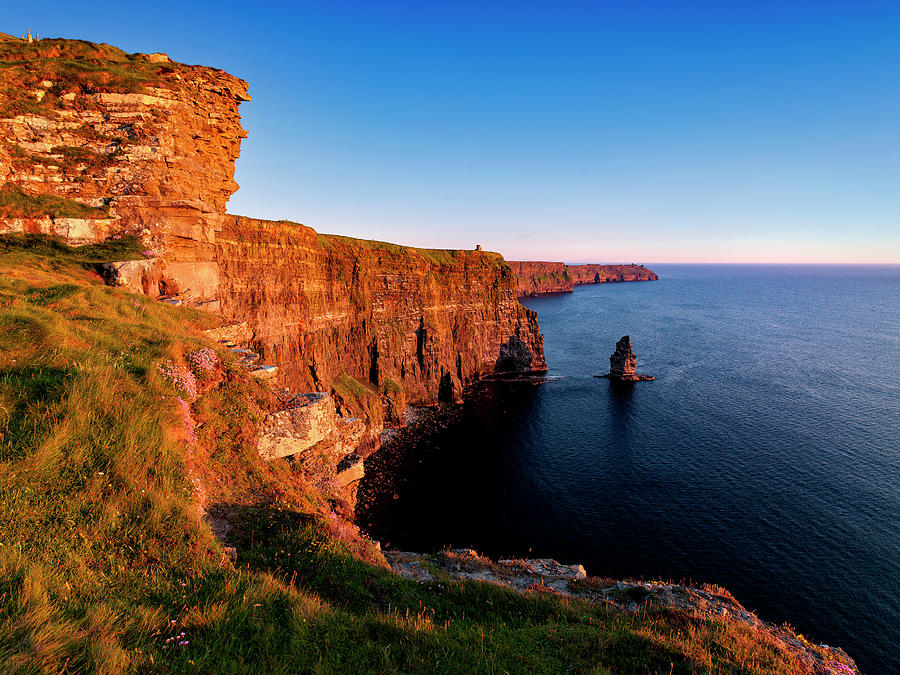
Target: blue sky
(637,131)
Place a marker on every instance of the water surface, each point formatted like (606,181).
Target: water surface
(765,457)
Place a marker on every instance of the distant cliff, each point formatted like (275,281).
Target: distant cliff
(538,278)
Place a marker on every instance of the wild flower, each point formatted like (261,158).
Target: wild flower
(180,639)
(149,254)
(181,378)
(203,362)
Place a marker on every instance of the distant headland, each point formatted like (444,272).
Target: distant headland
(539,278)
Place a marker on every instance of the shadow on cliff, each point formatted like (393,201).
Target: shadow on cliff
(514,356)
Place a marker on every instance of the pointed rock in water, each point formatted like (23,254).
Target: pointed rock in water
(623,363)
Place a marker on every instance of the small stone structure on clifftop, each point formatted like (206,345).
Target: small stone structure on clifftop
(623,364)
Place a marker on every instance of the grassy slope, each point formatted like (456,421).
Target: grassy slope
(103,556)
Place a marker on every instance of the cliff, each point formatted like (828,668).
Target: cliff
(428,322)
(538,278)
(95,143)
(598,274)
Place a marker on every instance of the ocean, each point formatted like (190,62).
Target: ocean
(765,457)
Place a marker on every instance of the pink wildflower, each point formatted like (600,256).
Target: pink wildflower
(203,362)
(181,378)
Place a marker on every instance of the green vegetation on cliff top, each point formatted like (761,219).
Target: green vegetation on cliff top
(437,256)
(107,564)
(75,66)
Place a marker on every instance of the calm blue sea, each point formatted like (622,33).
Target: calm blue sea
(765,457)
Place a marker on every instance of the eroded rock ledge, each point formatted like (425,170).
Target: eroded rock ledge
(548,576)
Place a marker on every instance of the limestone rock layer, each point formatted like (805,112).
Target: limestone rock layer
(148,145)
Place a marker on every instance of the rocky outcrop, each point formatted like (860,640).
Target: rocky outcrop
(541,576)
(305,422)
(539,278)
(150,144)
(623,363)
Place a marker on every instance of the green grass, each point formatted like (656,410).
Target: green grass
(350,387)
(560,277)
(73,66)
(72,156)
(17,203)
(435,256)
(390,387)
(105,560)
(25,249)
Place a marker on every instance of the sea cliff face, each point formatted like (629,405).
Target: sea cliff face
(538,277)
(430,322)
(598,274)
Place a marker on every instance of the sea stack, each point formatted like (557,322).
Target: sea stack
(623,363)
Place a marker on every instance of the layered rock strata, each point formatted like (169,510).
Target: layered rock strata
(539,278)
(599,274)
(147,143)
(391,318)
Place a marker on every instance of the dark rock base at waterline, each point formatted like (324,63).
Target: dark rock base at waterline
(630,379)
